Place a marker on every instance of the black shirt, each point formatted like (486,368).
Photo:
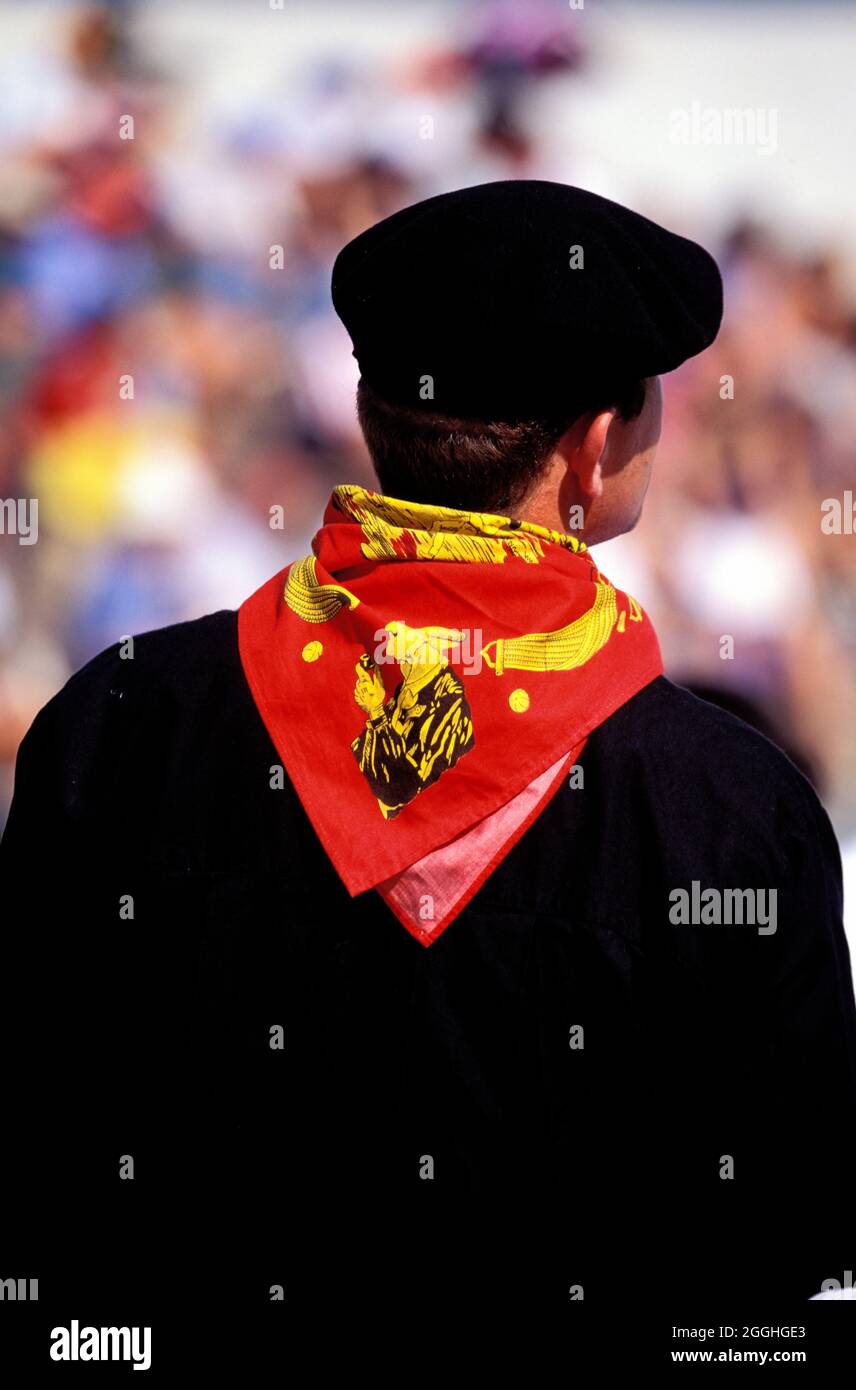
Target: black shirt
(543,1100)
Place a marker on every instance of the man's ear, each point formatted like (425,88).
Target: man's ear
(586,458)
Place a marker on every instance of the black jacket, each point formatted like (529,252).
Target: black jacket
(554,1167)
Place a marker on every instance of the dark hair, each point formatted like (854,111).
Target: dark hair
(479,465)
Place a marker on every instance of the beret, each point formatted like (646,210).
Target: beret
(519,299)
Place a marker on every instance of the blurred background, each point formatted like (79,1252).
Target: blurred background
(176,181)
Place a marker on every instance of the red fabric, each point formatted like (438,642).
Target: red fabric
(520,721)
(427,897)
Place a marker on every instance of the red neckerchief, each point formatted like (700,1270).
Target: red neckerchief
(424,665)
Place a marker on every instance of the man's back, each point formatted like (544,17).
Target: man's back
(569,1068)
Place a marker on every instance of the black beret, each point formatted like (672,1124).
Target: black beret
(521,299)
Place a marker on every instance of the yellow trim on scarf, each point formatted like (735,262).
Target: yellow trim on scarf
(443,533)
(563,650)
(311,601)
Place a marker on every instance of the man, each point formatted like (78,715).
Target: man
(426,726)
(419,942)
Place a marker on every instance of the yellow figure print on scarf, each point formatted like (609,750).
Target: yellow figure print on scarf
(412,738)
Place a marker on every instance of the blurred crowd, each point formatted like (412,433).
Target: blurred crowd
(171,369)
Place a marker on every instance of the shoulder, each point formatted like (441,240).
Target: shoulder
(176,662)
(694,764)
(135,693)
(686,734)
